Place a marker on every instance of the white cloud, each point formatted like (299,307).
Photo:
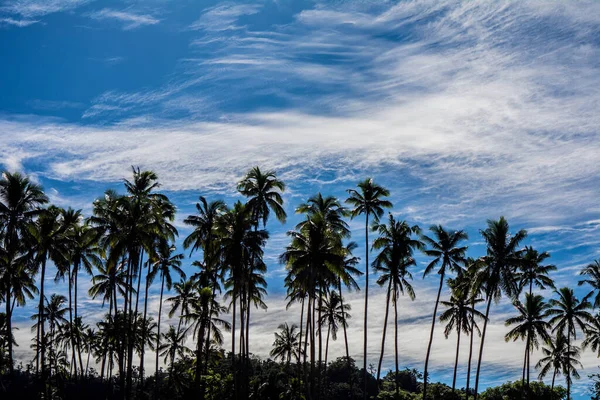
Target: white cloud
(37,8)
(224,16)
(21,23)
(129,19)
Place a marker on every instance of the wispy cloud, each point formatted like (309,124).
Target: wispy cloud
(21,23)
(224,16)
(37,8)
(129,19)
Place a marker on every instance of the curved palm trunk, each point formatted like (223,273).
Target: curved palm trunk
(300,334)
(327,344)
(396,338)
(437,301)
(157,381)
(385,323)
(528,369)
(78,339)
(569,366)
(344,320)
(470,347)
(142,353)
(457,353)
(487,313)
(210,313)
(523,378)
(552,387)
(366,305)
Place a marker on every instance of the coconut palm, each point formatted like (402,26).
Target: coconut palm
(46,240)
(334,313)
(568,313)
(502,260)
(346,275)
(263,191)
(164,264)
(449,255)
(367,200)
(330,210)
(592,277)
(173,345)
(457,315)
(530,326)
(532,272)
(20,202)
(592,335)
(53,312)
(397,247)
(560,358)
(286,341)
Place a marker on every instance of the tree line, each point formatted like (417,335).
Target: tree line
(127,245)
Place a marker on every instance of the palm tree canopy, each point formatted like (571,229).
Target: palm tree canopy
(530,322)
(445,249)
(368,199)
(568,311)
(263,190)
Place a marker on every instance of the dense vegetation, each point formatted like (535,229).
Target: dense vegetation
(127,245)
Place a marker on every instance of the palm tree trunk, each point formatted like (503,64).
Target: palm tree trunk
(142,353)
(73,358)
(248,331)
(320,343)
(523,378)
(470,347)
(396,338)
(385,323)
(87,364)
(437,301)
(300,335)
(156,375)
(41,320)
(210,308)
(457,353)
(365,395)
(233,366)
(528,370)
(327,344)
(568,364)
(9,326)
(487,313)
(552,387)
(75,276)
(344,320)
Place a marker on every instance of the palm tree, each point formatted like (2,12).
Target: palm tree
(592,335)
(185,291)
(346,275)
(447,252)
(368,200)
(592,274)
(54,312)
(533,272)
(567,313)
(20,200)
(165,263)
(263,191)
(172,346)
(286,341)
(502,260)
(559,358)
(396,247)
(46,240)
(530,326)
(459,311)
(333,313)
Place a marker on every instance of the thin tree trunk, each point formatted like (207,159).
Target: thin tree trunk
(207,344)
(9,325)
(457,353)
(385,323)
(523,378)
(568,365)
(73,358)
(552,387)
(344,320)
(41,320)
(396,338)
(470,347)
(142,353)
(233,366)
(300,334)
(365,395)
(75,276)
(320,343)
(487,313)
(327,344)
(156,373)
(437,301)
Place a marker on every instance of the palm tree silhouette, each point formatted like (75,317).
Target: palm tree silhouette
(530,326)
(334,313)
(502,260)
(286,341)
(533,272)
(20,202)
(559,357)
(567,313)
(396,247)
(448,254)
(592,277)
(367,200)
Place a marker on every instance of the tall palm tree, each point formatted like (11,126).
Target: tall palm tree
(173,345)
(592,277)
(532,272)
(397,247)
(567,313)
(459,310)
(592,335)
(346,275)
(530,326)
(165,263)
(46,240)
(448,253)
(502,260)
(185,291)
(286,341)
(263,191)
(367,200)
(54,312)
(20,202)
(559,358)
(334,313)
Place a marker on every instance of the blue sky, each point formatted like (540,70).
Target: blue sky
(466,111)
